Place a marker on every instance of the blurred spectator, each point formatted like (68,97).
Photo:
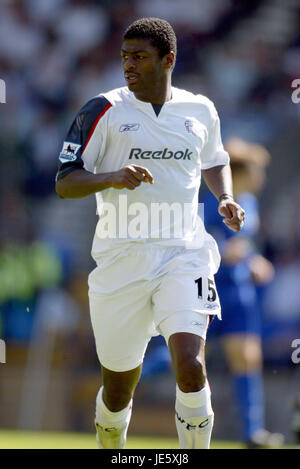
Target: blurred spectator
(25,271)
(281,308)
(242,267)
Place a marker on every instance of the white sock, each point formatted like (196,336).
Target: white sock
(194,418)
(111,426)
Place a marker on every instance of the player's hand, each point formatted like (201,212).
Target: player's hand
(130,177)
(233,213)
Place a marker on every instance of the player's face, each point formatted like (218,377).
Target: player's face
(144,70)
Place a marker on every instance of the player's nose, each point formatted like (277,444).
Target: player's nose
(129,65)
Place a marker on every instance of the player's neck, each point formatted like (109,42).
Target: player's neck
(158,95)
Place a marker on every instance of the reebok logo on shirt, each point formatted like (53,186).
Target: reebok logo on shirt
(164,154)
(129,127)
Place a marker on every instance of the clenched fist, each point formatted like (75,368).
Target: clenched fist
(130,177)
(233,213)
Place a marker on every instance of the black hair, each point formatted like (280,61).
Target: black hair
(159,32)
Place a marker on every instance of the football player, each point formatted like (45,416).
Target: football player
(142,150)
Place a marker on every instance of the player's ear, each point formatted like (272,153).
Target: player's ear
(169,60)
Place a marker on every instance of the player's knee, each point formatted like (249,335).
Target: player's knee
(190,375)
(118,387)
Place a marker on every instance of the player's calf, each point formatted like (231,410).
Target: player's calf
(194,416)
(191,376)
(119,387)
(187,352)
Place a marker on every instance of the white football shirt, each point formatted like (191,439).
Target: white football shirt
(114,130)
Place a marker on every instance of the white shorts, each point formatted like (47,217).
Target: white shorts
(143,291)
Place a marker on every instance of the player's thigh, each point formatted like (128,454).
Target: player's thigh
(188,360)
(122,330)
(186,349)
(121,315)
(185,322)
(185,302)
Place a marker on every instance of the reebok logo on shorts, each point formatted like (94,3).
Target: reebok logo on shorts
(196,323)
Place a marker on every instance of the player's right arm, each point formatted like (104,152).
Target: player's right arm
(81,183)
(83,148)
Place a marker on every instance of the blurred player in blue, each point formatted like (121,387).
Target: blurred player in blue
(242,269)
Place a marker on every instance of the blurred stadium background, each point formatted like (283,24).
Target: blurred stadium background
(54,56)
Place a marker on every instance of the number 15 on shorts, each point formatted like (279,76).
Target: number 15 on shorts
(206,289)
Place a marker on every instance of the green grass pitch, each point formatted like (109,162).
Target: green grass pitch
(13,439)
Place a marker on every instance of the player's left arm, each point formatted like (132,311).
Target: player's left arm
(219,181)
